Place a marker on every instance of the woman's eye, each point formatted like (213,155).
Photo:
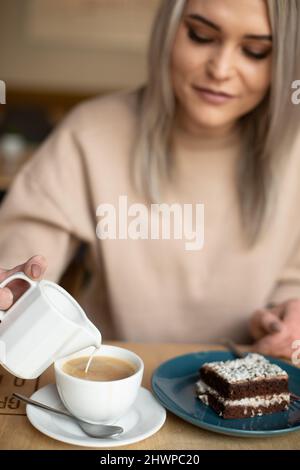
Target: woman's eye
(257,55)
(197,38)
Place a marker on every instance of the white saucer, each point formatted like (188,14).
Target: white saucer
(145,418)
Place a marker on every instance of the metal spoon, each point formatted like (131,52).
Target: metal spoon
(234,348)
(93,430)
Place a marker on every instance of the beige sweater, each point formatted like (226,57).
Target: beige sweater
(150,290)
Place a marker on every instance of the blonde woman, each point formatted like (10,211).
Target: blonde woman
(215,125)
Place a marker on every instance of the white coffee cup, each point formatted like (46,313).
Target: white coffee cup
(95,401)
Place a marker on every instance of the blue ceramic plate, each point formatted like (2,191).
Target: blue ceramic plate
(173,383)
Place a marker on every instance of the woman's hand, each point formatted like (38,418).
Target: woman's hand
(276,328)
(33,268)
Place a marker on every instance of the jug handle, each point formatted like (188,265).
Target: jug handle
(18,275)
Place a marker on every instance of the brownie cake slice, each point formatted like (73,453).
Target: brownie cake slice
(243,388)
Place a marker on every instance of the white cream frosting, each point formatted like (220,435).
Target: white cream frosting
(252,367)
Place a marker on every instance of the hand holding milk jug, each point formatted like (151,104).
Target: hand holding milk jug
(42,325)
(34,268)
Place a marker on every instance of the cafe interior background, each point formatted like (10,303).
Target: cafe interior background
(53,55)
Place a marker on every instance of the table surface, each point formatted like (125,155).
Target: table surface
(16,432)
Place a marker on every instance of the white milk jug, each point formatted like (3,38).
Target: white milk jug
(44,324)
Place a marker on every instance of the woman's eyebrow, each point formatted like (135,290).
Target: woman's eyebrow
(202,19)
(194,16)
(263,37)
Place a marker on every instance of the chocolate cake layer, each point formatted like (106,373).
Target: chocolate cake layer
(238,411)
(264,386)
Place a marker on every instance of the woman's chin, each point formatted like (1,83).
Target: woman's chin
(212,124)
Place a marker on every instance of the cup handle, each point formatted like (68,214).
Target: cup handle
(18,275)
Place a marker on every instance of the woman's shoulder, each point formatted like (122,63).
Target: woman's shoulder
(115,109)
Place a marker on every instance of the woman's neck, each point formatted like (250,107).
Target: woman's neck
(192,137)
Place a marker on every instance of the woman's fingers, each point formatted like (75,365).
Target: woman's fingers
(279,344)
(264,322)
(34,268)
(6,298)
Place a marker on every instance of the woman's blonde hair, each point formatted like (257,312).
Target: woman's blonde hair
(270,127)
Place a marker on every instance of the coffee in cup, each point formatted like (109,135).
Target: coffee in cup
(101,368)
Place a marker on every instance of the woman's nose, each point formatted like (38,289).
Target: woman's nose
(221,64)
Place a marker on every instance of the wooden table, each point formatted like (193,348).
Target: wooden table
(16,432)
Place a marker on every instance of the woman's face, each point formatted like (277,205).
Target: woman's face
(220,62)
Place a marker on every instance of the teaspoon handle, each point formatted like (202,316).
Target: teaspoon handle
(234,348)
(40,405)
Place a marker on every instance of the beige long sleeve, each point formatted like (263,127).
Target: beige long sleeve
(45,211)
(288,283)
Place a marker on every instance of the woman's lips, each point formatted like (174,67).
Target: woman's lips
(213,97)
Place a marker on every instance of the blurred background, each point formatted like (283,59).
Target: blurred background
(56,53)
